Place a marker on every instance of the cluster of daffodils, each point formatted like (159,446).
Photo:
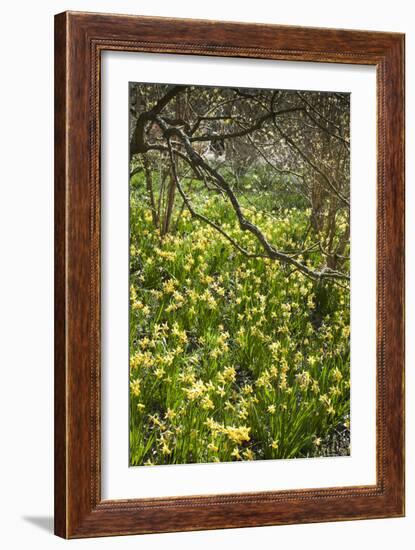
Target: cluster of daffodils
(232,358)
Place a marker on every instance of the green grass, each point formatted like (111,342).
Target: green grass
(232,358)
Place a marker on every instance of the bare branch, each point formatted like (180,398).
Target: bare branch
(244,131)
(317,112)
(313,165)
(137,144)
(245,225)
(201,216)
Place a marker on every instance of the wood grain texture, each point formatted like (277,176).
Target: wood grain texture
(79,40)
(60,277)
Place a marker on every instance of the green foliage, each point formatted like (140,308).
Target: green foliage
(232,358)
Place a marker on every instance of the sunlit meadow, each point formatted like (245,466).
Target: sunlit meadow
(232,358)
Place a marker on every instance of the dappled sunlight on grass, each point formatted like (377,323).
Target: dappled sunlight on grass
(232,358)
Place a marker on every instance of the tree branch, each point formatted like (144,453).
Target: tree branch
(338,194)
(137,144)
(244,131)
(245,225)
(203,218)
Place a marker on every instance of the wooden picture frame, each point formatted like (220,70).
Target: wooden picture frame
(79,40)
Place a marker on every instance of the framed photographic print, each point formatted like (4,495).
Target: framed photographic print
(229,275)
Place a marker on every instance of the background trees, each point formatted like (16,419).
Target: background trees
(258,150)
